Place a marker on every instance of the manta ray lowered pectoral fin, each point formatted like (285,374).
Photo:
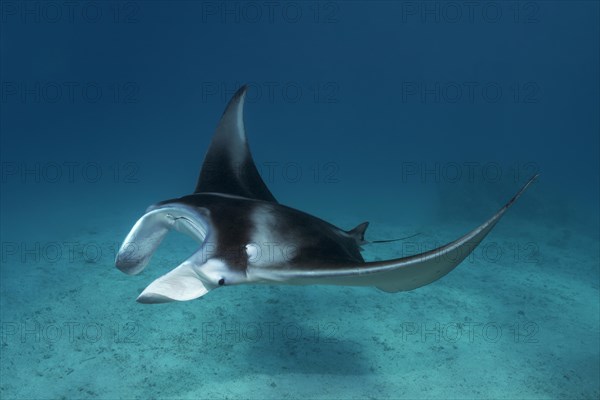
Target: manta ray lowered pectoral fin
(246,236)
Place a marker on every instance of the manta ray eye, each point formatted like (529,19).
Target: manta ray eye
(221,282)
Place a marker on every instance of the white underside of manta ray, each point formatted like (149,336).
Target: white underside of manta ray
(246,236)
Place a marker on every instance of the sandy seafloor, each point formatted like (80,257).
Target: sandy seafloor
(520,323)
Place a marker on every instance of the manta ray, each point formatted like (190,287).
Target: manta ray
(246,236)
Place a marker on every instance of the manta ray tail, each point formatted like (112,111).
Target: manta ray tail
(358,234)
(394,240)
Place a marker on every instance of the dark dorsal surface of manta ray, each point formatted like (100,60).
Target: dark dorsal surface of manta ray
(246,236)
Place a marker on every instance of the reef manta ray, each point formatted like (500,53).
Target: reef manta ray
(234,217)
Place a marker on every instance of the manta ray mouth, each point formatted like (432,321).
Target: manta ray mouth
(190,280)
(185,282)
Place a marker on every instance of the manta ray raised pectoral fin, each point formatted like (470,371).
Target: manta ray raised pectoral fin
(401,274)
(228,165)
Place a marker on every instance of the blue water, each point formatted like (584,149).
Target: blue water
(421,117)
